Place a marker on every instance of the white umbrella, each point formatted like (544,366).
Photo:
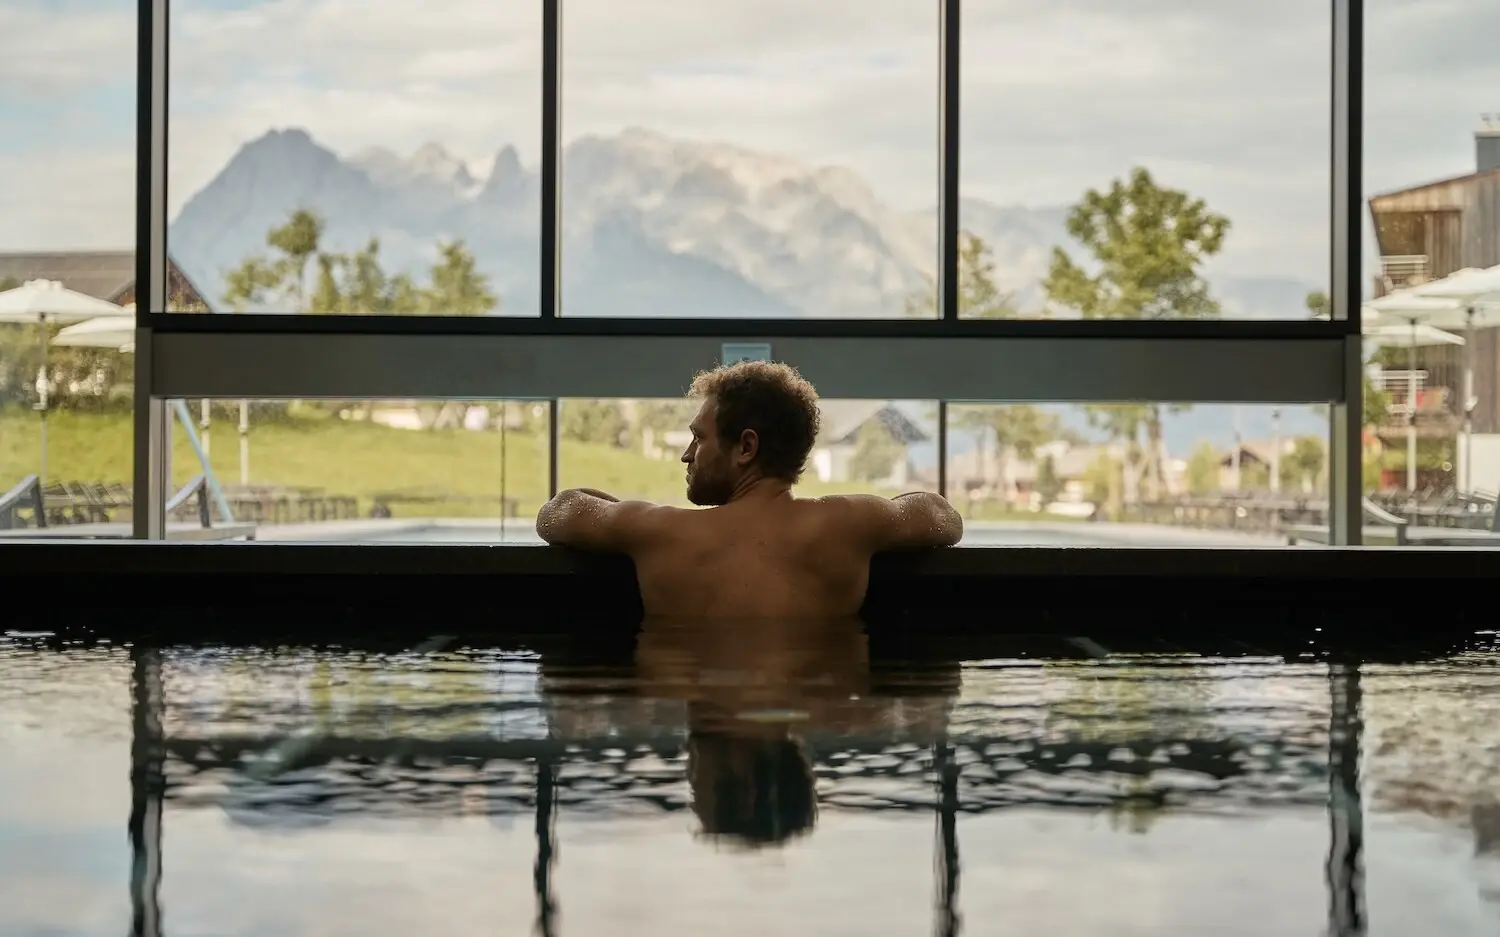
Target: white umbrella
(115,332)
(1412,334)
(1403,317)
(47,302)
(1476,293)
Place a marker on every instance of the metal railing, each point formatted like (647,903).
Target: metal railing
(198,488)
(27,494)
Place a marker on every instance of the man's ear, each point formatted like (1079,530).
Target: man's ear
(747,448)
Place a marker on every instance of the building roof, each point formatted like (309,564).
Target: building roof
(102,274)
(1429,195)
(107,275)
(843,419)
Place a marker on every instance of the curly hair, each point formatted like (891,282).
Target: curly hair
(773,400)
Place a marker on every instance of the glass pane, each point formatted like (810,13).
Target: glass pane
(341,160)
(67,250)
(1079,114)
(632,448)
(365,471)
(1432,174)
(732,160)
(1148,474)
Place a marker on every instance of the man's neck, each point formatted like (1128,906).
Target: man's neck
(760,488)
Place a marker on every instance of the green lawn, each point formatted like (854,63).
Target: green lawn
(348,458)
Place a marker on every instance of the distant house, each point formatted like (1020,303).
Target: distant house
(1262,454)
(107,275)
(843,420)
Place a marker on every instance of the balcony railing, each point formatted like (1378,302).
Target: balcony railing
(1398,271)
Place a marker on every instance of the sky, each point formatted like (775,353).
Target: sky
(1227,100)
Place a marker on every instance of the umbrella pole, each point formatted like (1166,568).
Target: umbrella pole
(1411,410)
(244,442)
(41,402)
(1468,485)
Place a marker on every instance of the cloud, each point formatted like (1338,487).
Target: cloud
(1228,100)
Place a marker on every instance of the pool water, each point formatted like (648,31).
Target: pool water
(760,778)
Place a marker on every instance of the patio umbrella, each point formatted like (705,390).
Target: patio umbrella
(1476,291)
(115,332)
(1413,335)
(47,302)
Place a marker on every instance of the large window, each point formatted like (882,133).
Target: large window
(67,254)
(337,160)
(579,204)
(730,160)
(1117,163)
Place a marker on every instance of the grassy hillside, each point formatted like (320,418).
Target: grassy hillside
(347,458)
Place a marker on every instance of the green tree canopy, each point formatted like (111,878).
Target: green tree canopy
(1148,243)
(355,283)
(979,295)
(1302,467)
(876,452)
(1203,469)
(596,421)
(1048,484)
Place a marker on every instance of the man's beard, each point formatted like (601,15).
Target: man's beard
(707,490)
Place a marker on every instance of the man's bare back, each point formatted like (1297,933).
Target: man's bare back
(757,551)
(768,557)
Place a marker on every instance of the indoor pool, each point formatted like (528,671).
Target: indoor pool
(762,778)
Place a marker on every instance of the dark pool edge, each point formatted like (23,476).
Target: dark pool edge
(20,560)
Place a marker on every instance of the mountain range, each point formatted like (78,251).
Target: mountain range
(652,226)
(655,226)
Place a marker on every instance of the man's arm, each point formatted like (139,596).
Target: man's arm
(919,520)
(592,520)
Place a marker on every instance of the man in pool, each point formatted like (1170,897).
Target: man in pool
(758,551)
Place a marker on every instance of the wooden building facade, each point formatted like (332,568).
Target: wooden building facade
(1430,231)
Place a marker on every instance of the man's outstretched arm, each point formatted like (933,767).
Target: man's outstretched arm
(919,520)
(592,520)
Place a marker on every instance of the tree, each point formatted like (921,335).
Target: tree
(1018,429)
(876,452)
(1303,466)
(355,283)
(1149,243)
(1203,469)
(594,421)
(1318,304)
(979,296)
(1048,484)
(457,289)
(662,416)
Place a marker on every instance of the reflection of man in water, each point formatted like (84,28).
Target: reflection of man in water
(758,551)
(755,789)
(751,688)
